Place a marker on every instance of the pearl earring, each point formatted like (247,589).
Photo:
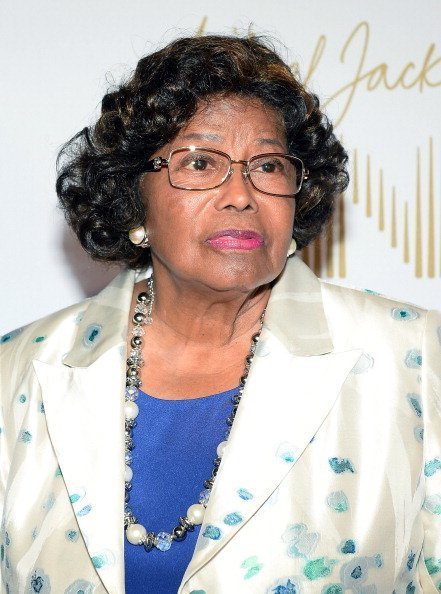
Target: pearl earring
(138,236)
(292,248)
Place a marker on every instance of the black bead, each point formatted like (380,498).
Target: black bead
(136,341)
(142,297)
(179,533)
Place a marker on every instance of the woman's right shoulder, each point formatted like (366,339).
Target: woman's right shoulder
(55,331)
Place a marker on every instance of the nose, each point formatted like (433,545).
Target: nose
(237,192)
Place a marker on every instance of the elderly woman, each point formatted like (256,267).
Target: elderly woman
(251,429)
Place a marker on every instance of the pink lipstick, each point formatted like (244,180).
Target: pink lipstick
(236,239)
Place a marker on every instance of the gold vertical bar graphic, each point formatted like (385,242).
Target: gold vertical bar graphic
(341,239)
(381,202)
(406,256)
(201,28)
(330,249)
(418,239)
(431,217)
(368,188)
(305,255)
(393,220)
(318,255)
(355,196)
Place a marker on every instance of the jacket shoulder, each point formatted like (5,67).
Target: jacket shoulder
(59,327)
(355,313)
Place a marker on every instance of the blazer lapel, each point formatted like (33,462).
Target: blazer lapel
(85,422)
(294,381)
(84,407)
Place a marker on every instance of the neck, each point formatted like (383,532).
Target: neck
(195,313)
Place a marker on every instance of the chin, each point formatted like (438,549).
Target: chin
(243,276)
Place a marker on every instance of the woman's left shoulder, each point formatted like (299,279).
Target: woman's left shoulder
(368,312)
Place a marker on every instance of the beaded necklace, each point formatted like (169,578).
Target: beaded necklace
(136,533)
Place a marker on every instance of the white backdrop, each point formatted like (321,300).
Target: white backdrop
(376,65)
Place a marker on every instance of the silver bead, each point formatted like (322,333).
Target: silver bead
(138,318)
(149,541)
(132,371)
(184,521)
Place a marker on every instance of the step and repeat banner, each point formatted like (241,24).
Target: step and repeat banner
(376,67)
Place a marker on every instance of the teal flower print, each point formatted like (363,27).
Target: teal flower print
(348,547)
(415,403)
(340,465)
(233,519)
(285,586)
(244,494)
(80,587)
(38,583)
(432,466)
(356,572)
(433,565)
(338,501)
(25,436)
(333,589)
(92,335)
(252,566)
(419,433)
(10,335)
(212,532)
(404,314)
(413,359)
(318,568)
(433,504)
(286,452)
(301,543)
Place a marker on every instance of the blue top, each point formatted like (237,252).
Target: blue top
(175,445)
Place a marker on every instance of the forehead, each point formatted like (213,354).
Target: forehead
(222,116)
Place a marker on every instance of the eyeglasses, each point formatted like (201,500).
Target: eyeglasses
(195,168)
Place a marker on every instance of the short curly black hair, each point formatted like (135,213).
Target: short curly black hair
(99,169)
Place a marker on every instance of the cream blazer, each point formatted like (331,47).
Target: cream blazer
(330,483)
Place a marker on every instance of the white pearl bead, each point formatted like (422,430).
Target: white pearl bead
(195,513)
(221,448)
(137,235)
(131,410)
(128,474)
(135,533)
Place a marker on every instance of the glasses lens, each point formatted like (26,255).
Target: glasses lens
(199,169)
(276,174)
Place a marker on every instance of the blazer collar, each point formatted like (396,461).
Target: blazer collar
(104,321)
(295,313)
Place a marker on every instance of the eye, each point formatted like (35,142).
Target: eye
(198,162)
(268,165)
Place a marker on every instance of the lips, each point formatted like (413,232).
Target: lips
(236,239)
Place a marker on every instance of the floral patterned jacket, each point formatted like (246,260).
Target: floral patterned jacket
(330,483)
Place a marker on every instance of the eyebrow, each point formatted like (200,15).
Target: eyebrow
(272,141)
(204,136)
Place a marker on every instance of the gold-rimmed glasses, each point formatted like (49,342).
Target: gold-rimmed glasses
(199,168)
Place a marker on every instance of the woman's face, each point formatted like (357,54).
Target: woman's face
(193,234)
